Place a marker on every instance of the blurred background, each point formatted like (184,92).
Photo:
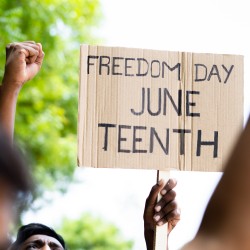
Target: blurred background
(101,209)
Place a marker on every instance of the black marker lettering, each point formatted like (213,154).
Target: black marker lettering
(142,104)
(104,64)
(106,126)
(137,139)
(182,133)
(228,71)
(120,138)
(89,63)
(189,103)
(145,70)
(214,72)
(127,66)
(154,134)
(197,78)
(115,65)
(207,143)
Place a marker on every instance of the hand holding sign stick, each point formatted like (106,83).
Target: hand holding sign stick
(161,231)
(159,212)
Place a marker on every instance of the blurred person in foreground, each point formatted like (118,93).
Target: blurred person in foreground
(15,185)
(226,221)
(23,62)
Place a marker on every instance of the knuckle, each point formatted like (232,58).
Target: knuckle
(169,208)
(162,202)
(17,47)
(160,214)
(8,46)
(171,183)
(162,221)
(172,194)
(171,216)
(173,206)
(174,215)
(11,45)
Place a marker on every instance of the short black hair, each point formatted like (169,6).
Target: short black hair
(14,169)
(31,229)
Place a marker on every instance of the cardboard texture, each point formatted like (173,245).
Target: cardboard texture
(162,110)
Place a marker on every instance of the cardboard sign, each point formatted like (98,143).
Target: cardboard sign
(162,110)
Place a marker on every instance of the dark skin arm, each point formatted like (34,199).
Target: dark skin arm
(23,62)
(226,221)
(158,213)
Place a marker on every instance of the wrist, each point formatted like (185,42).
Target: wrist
(149,225)
(149,238)
(10,88)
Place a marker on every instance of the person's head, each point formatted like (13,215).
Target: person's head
(15,183)
(36,236)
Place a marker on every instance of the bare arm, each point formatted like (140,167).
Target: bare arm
(226,222)
(23,62)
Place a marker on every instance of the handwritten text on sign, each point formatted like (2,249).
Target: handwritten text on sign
(157,109)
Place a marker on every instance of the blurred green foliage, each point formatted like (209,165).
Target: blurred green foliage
(89,233)
(46,118)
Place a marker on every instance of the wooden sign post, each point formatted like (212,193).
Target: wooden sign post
(161,110)
(161,232)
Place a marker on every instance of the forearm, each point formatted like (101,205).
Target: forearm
(227,215)
(8,100)
(23,62)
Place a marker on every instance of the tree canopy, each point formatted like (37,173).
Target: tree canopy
(90,233)
(46,118)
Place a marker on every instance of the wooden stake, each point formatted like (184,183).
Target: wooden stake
(161,232)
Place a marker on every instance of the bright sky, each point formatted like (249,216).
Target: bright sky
(214,26)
